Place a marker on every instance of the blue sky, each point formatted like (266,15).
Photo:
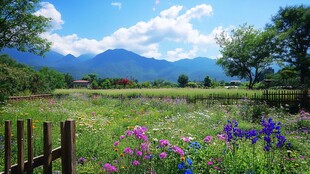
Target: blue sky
(163,29)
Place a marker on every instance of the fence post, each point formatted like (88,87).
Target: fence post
(7,147)
(68,158)
(47,164)
(30,145)
(20,146)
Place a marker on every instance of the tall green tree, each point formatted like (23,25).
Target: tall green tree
(207,82)
(246,52)
(183,80)
(293,27)
(20,28)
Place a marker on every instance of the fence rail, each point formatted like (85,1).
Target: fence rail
(29,97)
(66,152)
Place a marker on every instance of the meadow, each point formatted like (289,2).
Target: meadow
(168,134)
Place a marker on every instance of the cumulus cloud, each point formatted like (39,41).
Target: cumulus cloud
(48,10)
(172,25)
(117,4)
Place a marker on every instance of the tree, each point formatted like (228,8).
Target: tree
(246,52)
(207,82)
(20,28)
(183,80)
(293,27)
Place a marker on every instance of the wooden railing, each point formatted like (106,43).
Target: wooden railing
(66,152)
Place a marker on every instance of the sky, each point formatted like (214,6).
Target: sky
(161,29)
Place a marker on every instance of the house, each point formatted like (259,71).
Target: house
(81,84)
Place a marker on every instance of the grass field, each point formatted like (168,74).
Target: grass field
(163,92)
(163,128)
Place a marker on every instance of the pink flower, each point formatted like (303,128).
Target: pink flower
(136,163)
(210,163)
(93,113)
(178,150)
(162,155)
(116,143)
(109,168)
(221,137)
(144,147)
(186,139)
(122,137)
(164,143)
(127,150)
(139,153)
(208,139)
(129,133)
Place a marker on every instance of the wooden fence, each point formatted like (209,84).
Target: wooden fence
(30,97)
(300,98)
(296,98)
(66,152)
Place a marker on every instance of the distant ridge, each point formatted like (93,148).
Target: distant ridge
(122,63)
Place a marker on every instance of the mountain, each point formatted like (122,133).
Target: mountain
(122,63)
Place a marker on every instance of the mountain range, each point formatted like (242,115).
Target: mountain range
(120,63)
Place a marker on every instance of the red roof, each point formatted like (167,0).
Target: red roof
(80,81)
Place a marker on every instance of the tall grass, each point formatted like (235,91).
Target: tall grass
(168,92)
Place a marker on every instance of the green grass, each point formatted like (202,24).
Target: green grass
(169,92)
(100,121)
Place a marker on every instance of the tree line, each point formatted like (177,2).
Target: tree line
(18,79)
(247,52)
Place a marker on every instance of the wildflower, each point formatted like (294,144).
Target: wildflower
(144,147)
(164,143)
(116,143)
(122,137)
(81,160)
(139,153)
(122,155)
(93,113)
(208,139)
(195,145)
(129,133)
(189,161)
(186,139)
(222,137)
(182,158)
(181,165)
(116,149)
(210,163)
(109,168)
(188,171)
(178,150)
(127,150)
(135,163)
(162,155)
(216,168)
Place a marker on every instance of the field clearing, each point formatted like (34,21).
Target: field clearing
(102,124)
(163,92)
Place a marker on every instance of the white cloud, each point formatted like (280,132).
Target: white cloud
(48,10)
(173,25)
(117,4)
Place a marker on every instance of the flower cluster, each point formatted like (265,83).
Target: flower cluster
(269,130)
(109,168)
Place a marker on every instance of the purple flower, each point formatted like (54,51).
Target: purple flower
(139,153)
(210,163)
(127,150)
(81,160)
(109,168)
(162,155)
(178,150)
(129,133)
(135,163)
(208,139)
(144,147)
(116,143)
(122,137)
(163,143)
